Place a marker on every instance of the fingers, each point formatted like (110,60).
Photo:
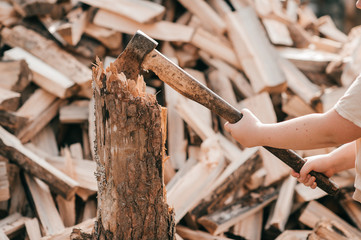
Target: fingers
(227,127)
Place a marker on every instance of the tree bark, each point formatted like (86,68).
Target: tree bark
(131,196)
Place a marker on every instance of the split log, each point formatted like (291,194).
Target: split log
(206,14)
(254,51)
(294,234)
(33,229)
(282,209)
(109,38)
(196,183)
(215,47)
(294,106)
(8,15)
(34,7)
(15,75)
(187,233)
(169,31)
(45,206)
(133,145)
(331,230)
(13,223)
(9,100)
(226,217)
(51,53)
(250,227)
(76,112)
(277,32)
(327,27)
(44,75)
(353,209)
(73,29)
(4,182)
(314,212)
(19,203)
(12,148)
(85,226)
(139,11)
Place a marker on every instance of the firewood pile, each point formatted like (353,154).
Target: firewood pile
(276,58)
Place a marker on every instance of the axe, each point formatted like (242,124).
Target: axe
(140,53)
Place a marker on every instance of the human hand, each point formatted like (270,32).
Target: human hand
(245,131)
(318,163)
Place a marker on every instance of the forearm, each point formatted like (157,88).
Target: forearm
(343,158)
(307,132)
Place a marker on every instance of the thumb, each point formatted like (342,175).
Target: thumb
(305,170)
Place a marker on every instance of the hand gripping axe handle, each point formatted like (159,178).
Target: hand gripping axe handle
(140,53)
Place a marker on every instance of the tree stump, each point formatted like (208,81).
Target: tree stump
(129,155)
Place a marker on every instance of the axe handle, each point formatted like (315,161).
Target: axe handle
(189,87)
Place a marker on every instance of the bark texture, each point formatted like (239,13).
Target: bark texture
(131,195)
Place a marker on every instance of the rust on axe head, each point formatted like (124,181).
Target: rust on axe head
(130,60)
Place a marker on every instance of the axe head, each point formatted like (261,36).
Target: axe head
(130,60)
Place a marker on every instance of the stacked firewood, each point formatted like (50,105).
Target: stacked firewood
(276,58)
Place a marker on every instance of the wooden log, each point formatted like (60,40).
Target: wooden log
(15,75)
(76,112)
(109,38)
(176,139)
(66,210)
(315,211)
(33,8)
(169,31)
(282,209)
(73,29)
(11,121)
(134,145)
(327,27)
(353,209)
(12,148)
(239,82)
(51,53)
(44,75)
(229,182)
(206,14)
(45,206)
(3,236)
(138,11)
(90,210)
(195,184)
(294,106)
(294,234)
(250,227)
(4,182)
(325,44)
(33,229)
(12,224)
(8,15)
(308,59)
(299,83)
(226,217)
(215,47)
(19,203)
(221,7)
(277,32)
(254,51)
(85,226)
(9,100)
(34,125)
(187,233)
(46,141)
(328,229)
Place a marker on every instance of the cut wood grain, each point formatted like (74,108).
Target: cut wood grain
(108,37)
(33,229)
(12,148)
(4,182)
(315,211)
(215,47)
(9,100)
(44,75)
(161,30)
(206,14)
(76,112)
(45,206)
(226,217)
(33,8)
(49,52)
(12,223)
(15,75)
(139,11)
(250,227)
(254,51)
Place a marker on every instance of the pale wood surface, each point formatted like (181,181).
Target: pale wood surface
(110,38)
(33,229)
(161,30)
(15,75)
(4,182)
(9,100)
(139,11)
(277,32)
(250,227)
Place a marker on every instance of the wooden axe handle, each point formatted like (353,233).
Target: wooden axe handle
(189,87)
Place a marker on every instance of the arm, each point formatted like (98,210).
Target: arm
(307,132)
(336,161)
